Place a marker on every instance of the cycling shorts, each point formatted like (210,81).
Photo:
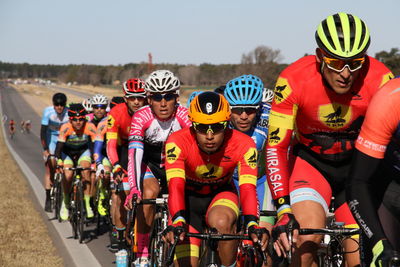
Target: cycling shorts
(307,183)
(196,214)
(84,156)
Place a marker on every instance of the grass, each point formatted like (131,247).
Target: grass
(24,239)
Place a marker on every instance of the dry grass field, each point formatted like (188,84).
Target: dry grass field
(24,239)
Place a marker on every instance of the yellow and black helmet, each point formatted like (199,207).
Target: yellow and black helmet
(343,36)
(209,108)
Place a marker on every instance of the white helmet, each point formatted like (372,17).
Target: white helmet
(99,99)
(268,95)
(162,81)
(87,104)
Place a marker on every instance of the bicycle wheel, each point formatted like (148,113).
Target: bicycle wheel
(73,212)
(80,211)
(158,248)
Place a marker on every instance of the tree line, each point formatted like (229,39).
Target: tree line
(263,61)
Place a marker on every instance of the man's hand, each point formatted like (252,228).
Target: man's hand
(383,254)
(134,195)
(46,155)
(177,229)
(285,225)
(259,235)
(118,173)
(100,170)
(60,164)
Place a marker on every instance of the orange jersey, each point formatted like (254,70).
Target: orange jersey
(74,140)
(382,121)
(189,168)
(325,122)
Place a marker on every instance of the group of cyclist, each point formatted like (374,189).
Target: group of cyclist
(235,151)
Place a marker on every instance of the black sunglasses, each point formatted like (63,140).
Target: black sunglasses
(100,106)
(59,104)
(247,110)
(167,97)
(214,128)
(81,118)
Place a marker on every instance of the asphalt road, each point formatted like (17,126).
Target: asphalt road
(29,150)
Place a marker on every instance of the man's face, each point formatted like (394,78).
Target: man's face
(99,111)
(134,103)
(78,122)
(163,105)
(243,118)
(59,108)
(341,80)
(209,138)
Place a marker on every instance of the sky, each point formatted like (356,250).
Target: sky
(117,32)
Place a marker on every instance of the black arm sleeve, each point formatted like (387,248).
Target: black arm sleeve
(362,196)
(59,148)
(43,136)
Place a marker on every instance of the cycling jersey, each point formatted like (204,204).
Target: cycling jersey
(51,123)
(192,171)
(74,143)
(147,137)
(327,124)
(118,125)
(259,135)
(379,139)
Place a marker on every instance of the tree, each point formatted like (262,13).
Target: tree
(390,59)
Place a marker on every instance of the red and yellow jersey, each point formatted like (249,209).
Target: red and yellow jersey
(118,126)
(382,121)
(189,168)
(77,140)
(325,122)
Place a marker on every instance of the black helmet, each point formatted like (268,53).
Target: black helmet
(116,100)
(220,89)
(59,99)
(76,110)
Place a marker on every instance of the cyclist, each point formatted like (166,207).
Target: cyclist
(150,128)
(325,97)
(245,95)
(27,126)
(53,117)
(377,147)
(11,128)
(119,121)
(99,105)
(200,161)
(74,147)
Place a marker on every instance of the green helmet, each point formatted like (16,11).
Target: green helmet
(343,36)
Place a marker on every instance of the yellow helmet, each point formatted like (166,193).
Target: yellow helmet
(343,36)
(209,108)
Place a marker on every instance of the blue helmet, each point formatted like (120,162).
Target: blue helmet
(192,96)
(244,90)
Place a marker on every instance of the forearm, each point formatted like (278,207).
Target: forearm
(43,136)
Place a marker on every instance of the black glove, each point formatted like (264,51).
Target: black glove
(286,223)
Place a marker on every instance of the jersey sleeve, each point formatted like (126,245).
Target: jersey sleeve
(281,124)
(112,139)
(175,171)
(45,117)
(65,131)
(247,173)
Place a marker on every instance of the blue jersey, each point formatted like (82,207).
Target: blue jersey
(54,121)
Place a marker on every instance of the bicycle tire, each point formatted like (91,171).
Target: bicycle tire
(96,204)
(158,248)
(73,213)
(80,210)
(57,195)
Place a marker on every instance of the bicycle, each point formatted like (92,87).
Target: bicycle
(158,248)
(56,195)
(77,207)
(209,255)
(105,203)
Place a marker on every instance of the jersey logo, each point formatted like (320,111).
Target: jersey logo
(251,157)
(282,90)
(386,78)
(334,115)
(110,122)
(209,171)
(275,135)
(172,151)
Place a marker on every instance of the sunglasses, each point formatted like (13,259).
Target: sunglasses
(100,106)
(213,128)
(59,104)
(167,97)
(80,118)
(339,64)
(247,110)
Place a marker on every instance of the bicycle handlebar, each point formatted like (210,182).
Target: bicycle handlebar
(332,232)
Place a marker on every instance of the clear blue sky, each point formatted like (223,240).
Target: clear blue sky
(176,31)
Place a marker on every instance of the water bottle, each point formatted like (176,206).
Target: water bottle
(122,258)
